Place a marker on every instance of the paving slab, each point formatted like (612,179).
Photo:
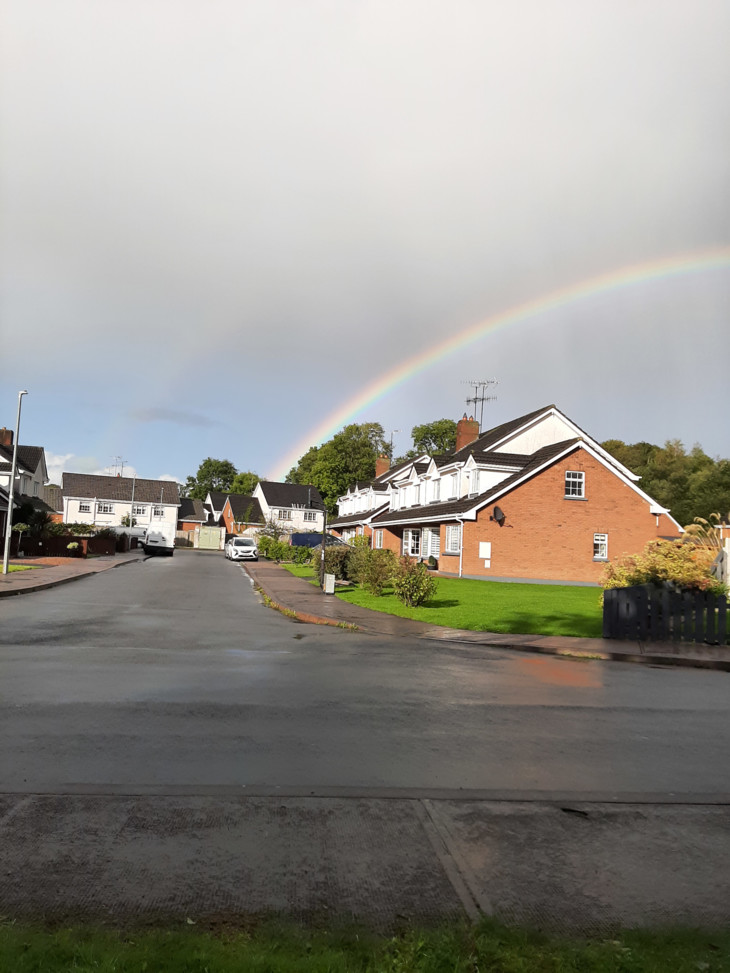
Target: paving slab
(586,868)
(51,572)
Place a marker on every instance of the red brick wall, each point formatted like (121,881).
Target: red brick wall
(392,539)
(547,537)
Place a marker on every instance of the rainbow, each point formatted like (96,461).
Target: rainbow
(665,267)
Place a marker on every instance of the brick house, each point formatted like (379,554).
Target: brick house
(242,514)
(191,514)
(534,499)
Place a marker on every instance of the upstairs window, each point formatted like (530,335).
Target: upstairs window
(139,510)
(84,508)
(284,514)
(105,508)
(436,490)
(453,486)
(310,515)
(575,484)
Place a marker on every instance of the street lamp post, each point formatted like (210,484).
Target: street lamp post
(11,493)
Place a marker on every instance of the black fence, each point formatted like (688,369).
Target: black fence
(651,613)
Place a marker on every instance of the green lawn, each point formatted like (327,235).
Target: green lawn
(300,571)
(22,567)
(289,948)
(492,606)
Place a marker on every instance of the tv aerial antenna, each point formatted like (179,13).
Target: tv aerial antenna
(479,395)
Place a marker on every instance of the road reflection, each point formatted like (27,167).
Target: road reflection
(559,672)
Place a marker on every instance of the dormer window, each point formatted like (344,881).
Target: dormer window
(436,490)
(575,483)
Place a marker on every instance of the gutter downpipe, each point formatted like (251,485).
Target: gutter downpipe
(461,546)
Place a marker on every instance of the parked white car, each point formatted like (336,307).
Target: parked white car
(241,549)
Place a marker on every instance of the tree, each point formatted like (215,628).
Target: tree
(691,484)
(438,436)
(213,474)
(244,483)
(349,456)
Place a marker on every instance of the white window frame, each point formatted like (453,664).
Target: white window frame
(139,510)
(412,542)
(454,486)
(378,539)
(433,546)
(102,507)
(600,547)
(310,516)
(575,485)
(452,540)
(84,507)
(158,512)
(436,489)
(283,514)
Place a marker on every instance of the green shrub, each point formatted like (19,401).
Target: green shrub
(686,564)
(358,560)
(335,562)
(264,543)
(380,566)
(301,555)
(412,583)
(278,550)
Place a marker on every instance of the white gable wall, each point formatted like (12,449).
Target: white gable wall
(552,429)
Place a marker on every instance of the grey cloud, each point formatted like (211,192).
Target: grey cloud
(174,416)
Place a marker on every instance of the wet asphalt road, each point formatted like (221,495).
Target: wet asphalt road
(168,676)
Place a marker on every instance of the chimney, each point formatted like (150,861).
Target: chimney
(6,437)
(382,465)
(467,430)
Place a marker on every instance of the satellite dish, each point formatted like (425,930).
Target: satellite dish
(498,515)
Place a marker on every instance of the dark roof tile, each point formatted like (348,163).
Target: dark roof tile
(291,494)
(245,509)
(93,486)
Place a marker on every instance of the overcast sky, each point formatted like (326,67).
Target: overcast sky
(221,219)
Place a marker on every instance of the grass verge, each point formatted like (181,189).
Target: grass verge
(22,567)
(490,606)
(493,606)
(284,948)
(300,571)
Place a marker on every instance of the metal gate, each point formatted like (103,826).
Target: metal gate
(209,538)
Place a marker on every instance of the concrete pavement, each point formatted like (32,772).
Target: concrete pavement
(579,868)
(49,572)
(310,604)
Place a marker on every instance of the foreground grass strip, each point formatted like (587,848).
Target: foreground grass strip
(493,606)
(283,948)
(22,567)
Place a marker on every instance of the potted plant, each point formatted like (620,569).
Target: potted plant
(432,563)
